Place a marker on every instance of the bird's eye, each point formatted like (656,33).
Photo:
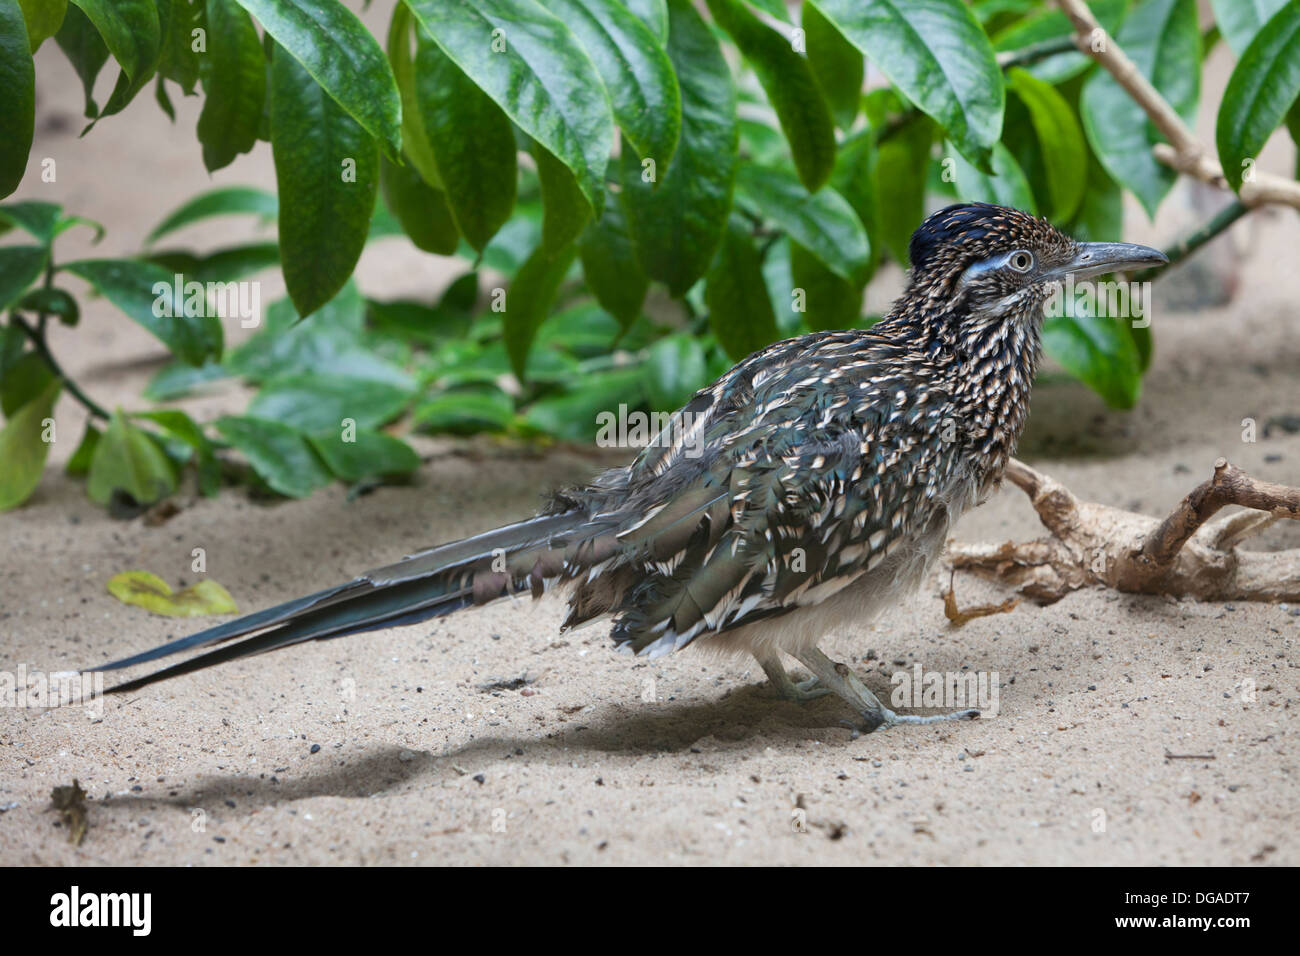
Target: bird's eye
(1021,260)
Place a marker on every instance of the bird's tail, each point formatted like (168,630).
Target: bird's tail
(525,556)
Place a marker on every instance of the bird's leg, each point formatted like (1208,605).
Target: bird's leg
(786,689)
(839,679)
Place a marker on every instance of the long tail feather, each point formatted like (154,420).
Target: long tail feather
(425,585)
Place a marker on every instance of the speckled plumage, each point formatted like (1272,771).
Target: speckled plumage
(806,489)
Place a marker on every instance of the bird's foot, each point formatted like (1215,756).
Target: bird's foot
(882,718)
(803,691)
(786,689)
(875,716)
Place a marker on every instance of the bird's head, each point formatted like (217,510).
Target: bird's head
(991,264)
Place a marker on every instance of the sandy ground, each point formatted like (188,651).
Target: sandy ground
(387,748)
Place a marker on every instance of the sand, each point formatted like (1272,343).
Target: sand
(393,748)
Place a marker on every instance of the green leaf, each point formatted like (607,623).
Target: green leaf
(474,155)
(40,219)
(146,590)
(1162,39)
(740,313)
(531,65)
(574,416)
(85,50)
(654,14)
(1240,20)
(421,209)
(565,212)
(328,342)
(1099,351)
(369,454)
(1261,90)
(44,17)
(51,302)
(130,461)
(17,96)
(79,464)
(837,64)
(678,221)
(183,429)
(1052,24)
(327,171)
(179,379)
(1007,187)
(319,403)
(899,164)
(635,69)
(23,448)
(854,178)
(178,61)
(20,266)
(466,410)
(414,320)
(234,81)
(1061,139)
(223,265)
(131,31)
(937,54)
(791,88)
(342,56)
(675,369)
(225,201)
(147,294)
(13,345)
(1101,214)
(830,301)
(281,456)
(823,222)
(610,265)
(23,381)
(529,301)
(415,140)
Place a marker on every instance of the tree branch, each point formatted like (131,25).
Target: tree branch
(1185,246)
(38,340)
(1185,555)
(1184,152)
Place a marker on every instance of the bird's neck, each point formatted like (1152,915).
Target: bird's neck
(989,362)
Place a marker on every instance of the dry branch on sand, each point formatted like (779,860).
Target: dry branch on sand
(1185,555)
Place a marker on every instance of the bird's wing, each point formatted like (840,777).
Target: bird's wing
(818,476)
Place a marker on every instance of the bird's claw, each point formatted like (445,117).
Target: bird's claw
(873,720)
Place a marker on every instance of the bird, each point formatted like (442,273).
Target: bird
(800,495)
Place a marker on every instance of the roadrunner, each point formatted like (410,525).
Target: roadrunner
(801,494)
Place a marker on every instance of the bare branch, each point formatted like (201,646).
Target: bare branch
(1095,544)
(1184,152)
(1229,486)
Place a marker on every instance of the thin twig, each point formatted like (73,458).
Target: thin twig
(1184,152)
(1228,486)
(38,340)
(1035,52)
(1185,246)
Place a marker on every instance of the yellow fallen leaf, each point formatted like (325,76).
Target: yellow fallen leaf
(153,594)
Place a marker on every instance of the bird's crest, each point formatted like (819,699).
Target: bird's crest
(965,232)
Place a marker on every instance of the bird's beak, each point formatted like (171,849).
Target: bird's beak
(1099,258)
